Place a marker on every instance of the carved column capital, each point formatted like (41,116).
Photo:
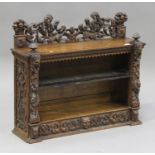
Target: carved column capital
(34,58)
(138,45)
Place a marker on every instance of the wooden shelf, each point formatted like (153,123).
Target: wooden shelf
(52,111)
(112,75)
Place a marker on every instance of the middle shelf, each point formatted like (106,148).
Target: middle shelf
(115,82)
(110,75)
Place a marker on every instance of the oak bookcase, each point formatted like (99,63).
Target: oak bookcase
(72,80)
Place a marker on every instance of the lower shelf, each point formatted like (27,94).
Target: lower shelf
(77,108)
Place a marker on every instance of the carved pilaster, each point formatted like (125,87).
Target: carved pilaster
(135,77)
(21,95)
(34,84)
(135,70)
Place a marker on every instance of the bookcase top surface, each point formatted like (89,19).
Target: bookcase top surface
(52,49)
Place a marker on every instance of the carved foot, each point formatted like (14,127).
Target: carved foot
(134,117)
(25,137)
(132,123)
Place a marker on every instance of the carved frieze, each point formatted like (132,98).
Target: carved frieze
(49,31)
(84,123)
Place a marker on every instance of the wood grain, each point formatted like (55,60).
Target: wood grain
(78,107)
(76,47)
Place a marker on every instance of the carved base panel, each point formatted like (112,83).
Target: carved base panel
(42,131)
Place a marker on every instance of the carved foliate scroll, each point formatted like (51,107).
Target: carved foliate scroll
(34,58)
(49,31)
(135,71)
(76,124)
(21,95)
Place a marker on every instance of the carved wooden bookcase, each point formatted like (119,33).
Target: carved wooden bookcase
(72,80)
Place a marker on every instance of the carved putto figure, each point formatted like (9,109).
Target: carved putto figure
(46,27)
(94,28)
(71,34)
(20,27)
(49,32)
(32,35)
(120,18)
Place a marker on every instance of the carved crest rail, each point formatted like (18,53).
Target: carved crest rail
(49,31)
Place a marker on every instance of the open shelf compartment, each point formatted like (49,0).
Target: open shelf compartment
(84,87)
(79,107)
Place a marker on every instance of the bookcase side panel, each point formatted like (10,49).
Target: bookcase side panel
(21,84)
(134,83)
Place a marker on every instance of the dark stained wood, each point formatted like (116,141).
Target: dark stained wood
(68,90)
(74,85)
(102,66)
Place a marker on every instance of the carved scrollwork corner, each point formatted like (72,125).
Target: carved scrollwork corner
(135,70)
(49,31)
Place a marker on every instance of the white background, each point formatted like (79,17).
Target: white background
(122,139)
